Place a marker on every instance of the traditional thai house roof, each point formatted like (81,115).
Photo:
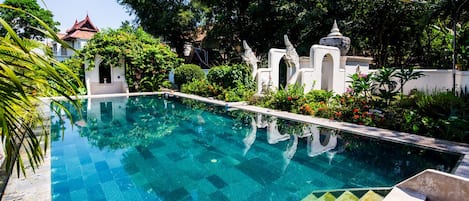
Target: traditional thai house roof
(84,29)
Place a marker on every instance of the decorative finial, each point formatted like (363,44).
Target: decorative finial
(287,41)
(246,46)
(335,30)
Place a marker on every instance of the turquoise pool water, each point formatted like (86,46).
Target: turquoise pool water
(151,148)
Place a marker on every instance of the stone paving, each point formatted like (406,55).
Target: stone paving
(37,186)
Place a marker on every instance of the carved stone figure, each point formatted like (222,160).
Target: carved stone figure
(250,58)
(293,61)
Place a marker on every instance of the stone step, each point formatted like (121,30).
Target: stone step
(404,195)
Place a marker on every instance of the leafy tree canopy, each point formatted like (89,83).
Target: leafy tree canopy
(24,25)
(396,33)
(173,20)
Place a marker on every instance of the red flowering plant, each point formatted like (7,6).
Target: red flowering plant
(355,104)
(290,99)
(353,109)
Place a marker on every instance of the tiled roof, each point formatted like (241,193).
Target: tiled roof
(84,29)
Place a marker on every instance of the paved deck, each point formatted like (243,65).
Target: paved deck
(37,185)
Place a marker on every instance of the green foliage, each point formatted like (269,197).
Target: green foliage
(167,84)
(186,73)
(286,100)
(147,61)
(230,76)
(319,95)
(442,115)
(201,88)
(173,20)
(76,65)
(406,75)
(385,85)
(26,73)
(360,85)
(405,33)
(238,93)
(23,24)
(227,82)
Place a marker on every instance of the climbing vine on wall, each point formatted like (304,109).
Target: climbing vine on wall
(147,61)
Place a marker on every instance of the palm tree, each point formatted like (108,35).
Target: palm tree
(26,73)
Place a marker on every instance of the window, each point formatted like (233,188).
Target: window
(54,48)
(104,73)
(63,51)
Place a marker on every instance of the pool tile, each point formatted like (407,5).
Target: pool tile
(78,195)
(105,176)
(59,152)
(219,196)
(85,159)
(176,156)
(76,184)
(132,195)
(206,157)
(60,176)
(95,192)
(111,191)
(246,186)
(131,168)
(148,194)
(91,180)
(177,194)
(61,187)
(125,184)
(202,186)
(88,170)
(96,156)
(139,179)
(62,197)
(217,181)
(101,165)
(118,172)
(156,144)
(144,152)
(255,168)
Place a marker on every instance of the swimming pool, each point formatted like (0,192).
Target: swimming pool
(152,148)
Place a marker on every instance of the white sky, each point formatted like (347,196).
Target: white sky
(103,13)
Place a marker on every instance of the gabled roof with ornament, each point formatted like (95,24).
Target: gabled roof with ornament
(84,29)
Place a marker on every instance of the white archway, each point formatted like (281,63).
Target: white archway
(326,71)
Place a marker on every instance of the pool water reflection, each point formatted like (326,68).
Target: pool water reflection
(151,148)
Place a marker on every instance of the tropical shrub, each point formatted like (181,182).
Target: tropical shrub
(239,93)
(201,88)
(442,115)
(186,73)
(318,95)
(230,76)
(360,85)
(225,82)
(290,99)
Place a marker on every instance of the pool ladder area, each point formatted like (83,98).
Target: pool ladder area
(353,194)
